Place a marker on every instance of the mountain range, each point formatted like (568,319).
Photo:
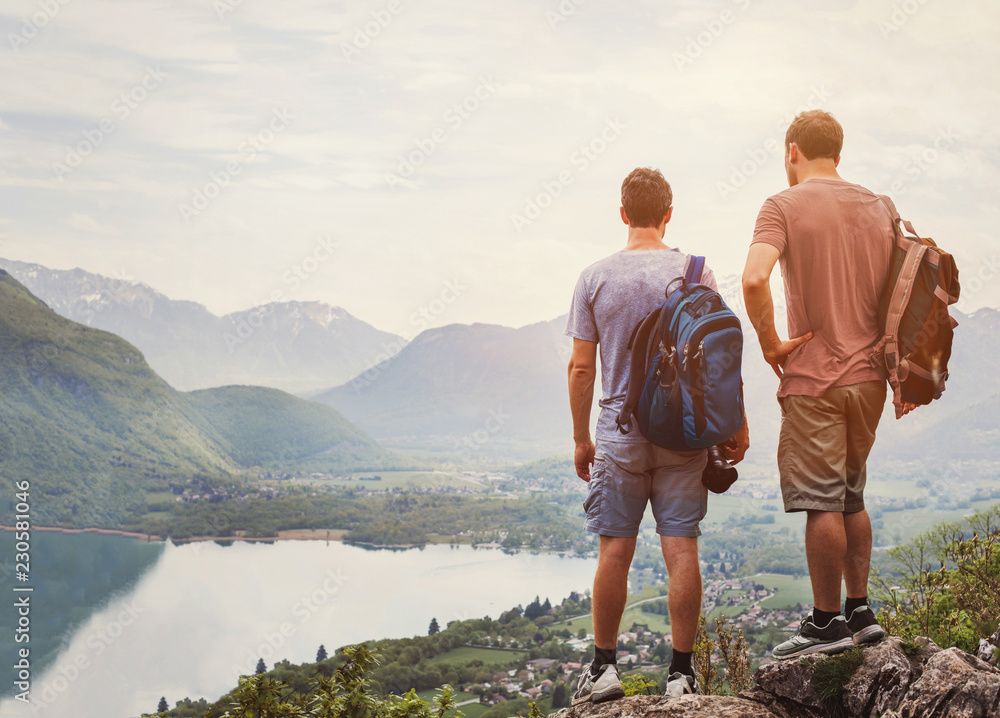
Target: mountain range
(480,391)
(294,346)
(93,429)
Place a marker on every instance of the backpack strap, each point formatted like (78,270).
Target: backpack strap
(639,346)
(898,366)
(896,219)
(694,268)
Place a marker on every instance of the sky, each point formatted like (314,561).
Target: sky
(462,161)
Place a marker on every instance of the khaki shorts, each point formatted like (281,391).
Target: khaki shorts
(824,444)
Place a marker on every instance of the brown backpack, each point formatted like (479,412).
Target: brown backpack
(916,327)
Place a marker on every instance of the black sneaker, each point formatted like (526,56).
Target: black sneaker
(834,637)
(864,626)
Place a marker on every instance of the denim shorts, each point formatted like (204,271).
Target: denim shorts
(627,476)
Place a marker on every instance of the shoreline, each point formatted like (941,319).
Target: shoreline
(289,535)
(286,535)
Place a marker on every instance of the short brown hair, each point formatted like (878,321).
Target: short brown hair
(817,133)
(646,197)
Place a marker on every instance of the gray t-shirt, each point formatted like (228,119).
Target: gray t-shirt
(611,297)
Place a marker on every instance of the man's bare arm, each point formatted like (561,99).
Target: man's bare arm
(760,306)
(582,375)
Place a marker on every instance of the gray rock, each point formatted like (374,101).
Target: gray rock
(881,682)
(893,681)
(987,650)
(954,684)
(686,707)
(780,706)
(789,680)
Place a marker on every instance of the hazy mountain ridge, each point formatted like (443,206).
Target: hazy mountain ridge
(468,388)
(294,346)
(440,389)
(88,423)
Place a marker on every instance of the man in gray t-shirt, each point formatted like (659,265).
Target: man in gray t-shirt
(611,297)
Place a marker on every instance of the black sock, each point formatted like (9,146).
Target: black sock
(853,603)
(602,657)
(822,618)
(680,662)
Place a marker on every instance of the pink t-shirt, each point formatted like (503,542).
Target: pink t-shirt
(836,241)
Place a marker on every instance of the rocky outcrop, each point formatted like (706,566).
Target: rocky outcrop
(893,680)
(988,648)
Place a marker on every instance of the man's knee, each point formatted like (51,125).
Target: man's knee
(679,551)
(615,551)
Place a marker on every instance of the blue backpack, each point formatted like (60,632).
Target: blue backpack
(684,384)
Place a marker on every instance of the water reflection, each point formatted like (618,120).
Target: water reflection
(206,613)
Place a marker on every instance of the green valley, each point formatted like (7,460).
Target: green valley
(96,431)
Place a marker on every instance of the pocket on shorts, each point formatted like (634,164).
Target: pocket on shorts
(595,493)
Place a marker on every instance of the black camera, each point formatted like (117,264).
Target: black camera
(719,474)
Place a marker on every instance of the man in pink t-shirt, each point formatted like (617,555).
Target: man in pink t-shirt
(834,241)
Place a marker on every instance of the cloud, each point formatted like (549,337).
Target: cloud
(88,224)
(561,70)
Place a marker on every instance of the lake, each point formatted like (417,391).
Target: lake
(197,616)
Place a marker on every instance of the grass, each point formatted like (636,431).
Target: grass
(655,621)
(489,656)
(472,710)
(831,674)
(789,590)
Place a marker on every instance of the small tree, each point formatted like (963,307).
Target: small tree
(321,653)
(560,696)
(660,652)
(261,666)
(163,707)
(433,628)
